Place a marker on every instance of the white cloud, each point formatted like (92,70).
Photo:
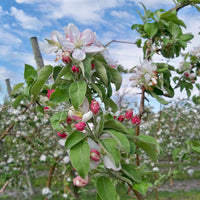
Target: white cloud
(26,21)
(4,74)
(121,14)
(27,1)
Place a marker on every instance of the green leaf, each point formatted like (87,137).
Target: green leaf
(74,138)
(109,103)
(77,93)
(113,124)
(43,76)
(80,158)
(106,189)
(186,37)
(98,90)
(17,87)
(100,125)
(109,146)
(116,77)
(151,29)
(120,138)
(175,30)
(56,71)
(29,71)
(87,66)
(159,99)
(60,95)
(101,71)
(57,119)
(17,101)
(142,187)
(138,42)
(132,172)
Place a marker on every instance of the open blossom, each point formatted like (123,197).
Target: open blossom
(79,43)
(80,182)
(94,106)
(136,120)
(129,114)
(144,74)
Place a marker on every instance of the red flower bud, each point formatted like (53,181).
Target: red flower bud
(94,106)
(65,57)
(75,69)
(136,120)
(49,93)
(46,108)
(62,135)
(120,118)
(80,182)
(129,114)
(68,120)
(94,155)
(80,126)
(92,66)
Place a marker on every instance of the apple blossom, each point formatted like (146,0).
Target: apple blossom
(75,69)
(94,155)
(121,118)
(66,57)
(80,126)
(79,43)
(94,106)
(136,120)
(62,135)
(129,114)
(80,182)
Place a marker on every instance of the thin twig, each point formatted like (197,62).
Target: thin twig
(117,41)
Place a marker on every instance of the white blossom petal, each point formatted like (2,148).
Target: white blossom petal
(84,108)
(79,54)
(67,45)
(110,164)
(47,48)
(87,36)
(93,145)
(92,49)
(62,142)
(72,32)
(87,116)
(56,36)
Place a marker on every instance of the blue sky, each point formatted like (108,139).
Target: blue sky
(22,19)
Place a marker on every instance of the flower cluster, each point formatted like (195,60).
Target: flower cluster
(74,44)
(144,75)
(129,116)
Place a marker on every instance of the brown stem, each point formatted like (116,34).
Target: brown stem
(50,176)
(4,187)
(141,111)
(182,5)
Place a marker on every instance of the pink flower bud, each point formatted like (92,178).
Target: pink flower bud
(75,69)
(121,118)
(129,114)
(80,126)
(68,120)
(94,106)
(94,155)
(92,66)
(49,93)
(136,120)
(80,182)
(46,108)
(65,57)
(62,135)
(186,74)
(113,66)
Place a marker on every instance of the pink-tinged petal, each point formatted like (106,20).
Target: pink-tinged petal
(110,164)
(74,115)
(84,108)
(47,48)
(94,164)
(92,49)
(67,45)
(80,182)
(87,37)
(72,32)
(56,36)
(78,54)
